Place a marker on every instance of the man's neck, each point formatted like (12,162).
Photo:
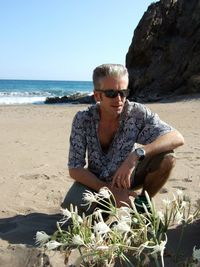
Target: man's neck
(106,117)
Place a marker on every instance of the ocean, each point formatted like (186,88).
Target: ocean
(20,92)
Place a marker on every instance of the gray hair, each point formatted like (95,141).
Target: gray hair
(108,70)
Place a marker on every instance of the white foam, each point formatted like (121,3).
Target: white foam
(21,100)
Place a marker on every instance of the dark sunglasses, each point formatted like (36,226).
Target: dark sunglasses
(114,93)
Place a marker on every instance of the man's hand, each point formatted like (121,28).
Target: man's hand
(122,195)
(122,177)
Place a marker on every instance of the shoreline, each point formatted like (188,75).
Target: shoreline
(87,99)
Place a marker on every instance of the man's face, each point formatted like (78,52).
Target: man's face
(112,106)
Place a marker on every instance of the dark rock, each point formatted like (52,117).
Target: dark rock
(164,57)
(74,99)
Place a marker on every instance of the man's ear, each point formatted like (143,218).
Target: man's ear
(97,96)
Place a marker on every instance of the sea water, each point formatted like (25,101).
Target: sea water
(36,91)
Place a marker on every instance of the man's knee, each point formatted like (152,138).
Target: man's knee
(164,161)
(168,162)
(75,197)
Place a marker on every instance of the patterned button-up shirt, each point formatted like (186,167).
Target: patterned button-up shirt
(137,125)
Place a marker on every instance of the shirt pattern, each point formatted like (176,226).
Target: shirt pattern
(137,125)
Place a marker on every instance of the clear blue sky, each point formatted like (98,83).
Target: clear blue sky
(64,39)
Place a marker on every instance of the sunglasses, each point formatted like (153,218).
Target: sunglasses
(114,93)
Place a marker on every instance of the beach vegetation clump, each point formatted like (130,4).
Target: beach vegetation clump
(124,234)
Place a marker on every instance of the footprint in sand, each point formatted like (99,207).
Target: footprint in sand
(173,179)
(163,190)
(187,180)
(180,187)
(35,176)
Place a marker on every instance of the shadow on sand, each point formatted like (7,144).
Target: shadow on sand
(21,229)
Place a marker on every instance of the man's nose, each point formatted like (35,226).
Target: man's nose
(118,97)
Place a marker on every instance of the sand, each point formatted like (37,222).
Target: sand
(34,178)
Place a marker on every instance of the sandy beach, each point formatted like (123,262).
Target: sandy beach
(34,143)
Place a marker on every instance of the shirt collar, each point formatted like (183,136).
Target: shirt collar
(123,115)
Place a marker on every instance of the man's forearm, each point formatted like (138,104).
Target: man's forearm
(164,143)
(84,176)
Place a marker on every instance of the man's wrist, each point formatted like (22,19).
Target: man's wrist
(132,159)
(102,184)
(140,153)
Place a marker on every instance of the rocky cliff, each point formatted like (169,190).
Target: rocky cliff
(164,56)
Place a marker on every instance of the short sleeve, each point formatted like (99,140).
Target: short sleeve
(152,128)
(77,150)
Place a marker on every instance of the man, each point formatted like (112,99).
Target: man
(108,133)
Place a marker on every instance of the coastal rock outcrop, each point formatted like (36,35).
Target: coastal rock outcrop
(164,56)
(73,99)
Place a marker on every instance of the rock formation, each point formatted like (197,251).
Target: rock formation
(164,56)
(77,98)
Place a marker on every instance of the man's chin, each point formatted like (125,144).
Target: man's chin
(117,109)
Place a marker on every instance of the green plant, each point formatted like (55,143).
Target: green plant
(125,234)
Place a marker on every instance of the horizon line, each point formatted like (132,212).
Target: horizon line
(48,80)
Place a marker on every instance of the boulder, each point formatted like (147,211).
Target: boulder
(77,98)
(164,57)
